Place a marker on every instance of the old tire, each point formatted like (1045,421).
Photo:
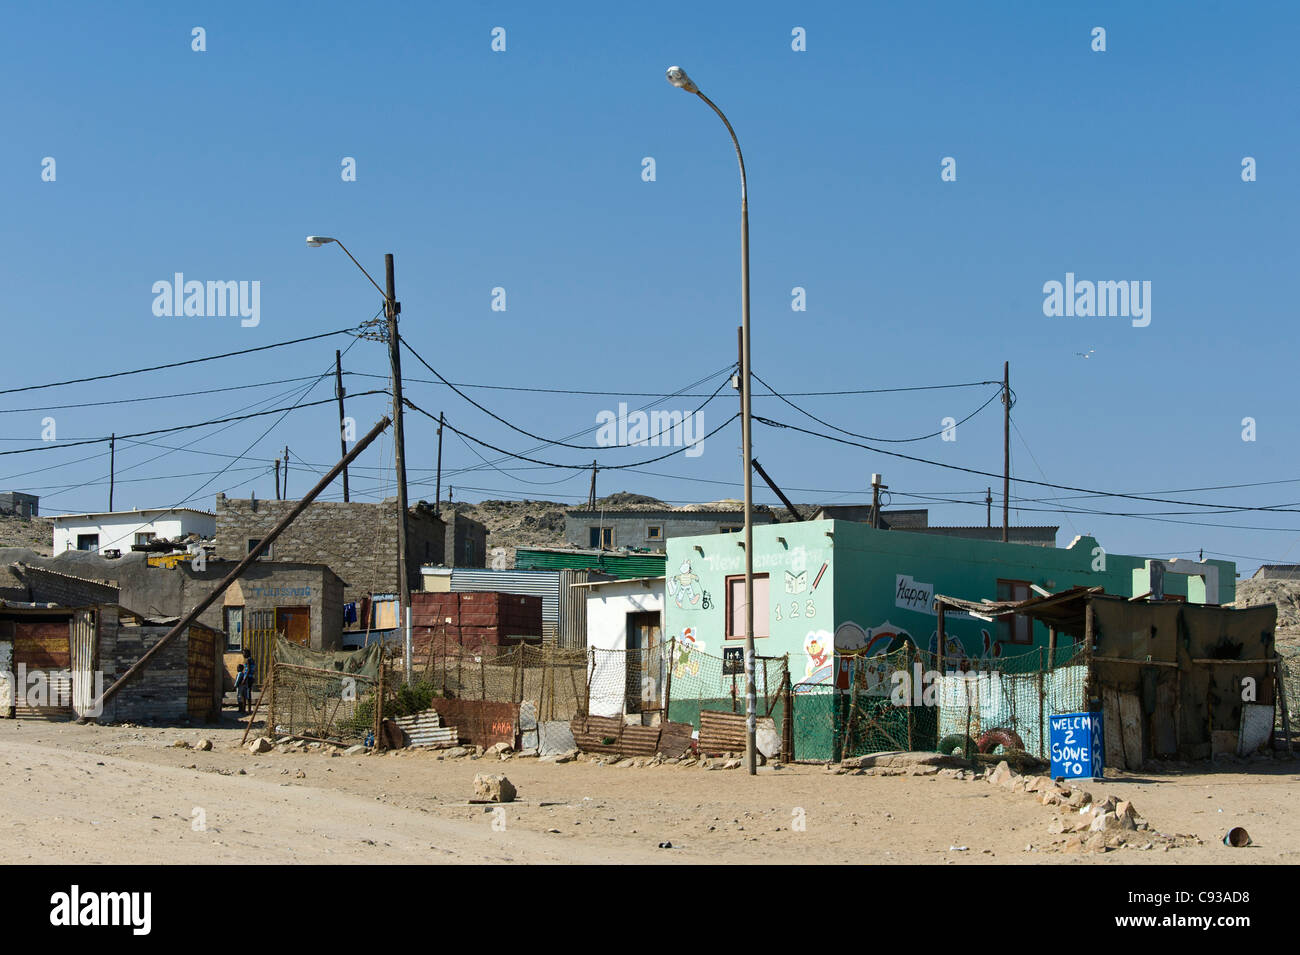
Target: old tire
(956,741)
(1006,738)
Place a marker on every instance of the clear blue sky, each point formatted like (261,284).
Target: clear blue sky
(522,169)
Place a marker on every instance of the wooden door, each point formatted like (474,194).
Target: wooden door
(201,670)
(295,624)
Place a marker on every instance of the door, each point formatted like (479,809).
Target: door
(644,682)
(295,624)
(201,670)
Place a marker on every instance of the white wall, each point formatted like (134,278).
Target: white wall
(607,608)
(118,530)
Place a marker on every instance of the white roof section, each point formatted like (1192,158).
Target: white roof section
(146,512)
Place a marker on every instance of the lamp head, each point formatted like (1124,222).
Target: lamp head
(677,76)
(316,241)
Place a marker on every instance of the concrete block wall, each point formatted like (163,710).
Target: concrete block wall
(356,540)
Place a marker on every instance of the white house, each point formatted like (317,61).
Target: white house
(626,644)
(118,530)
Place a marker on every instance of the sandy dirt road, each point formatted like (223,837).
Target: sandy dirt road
(89,794)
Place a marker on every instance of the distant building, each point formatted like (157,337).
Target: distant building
(917,521)
(119,530)
(647,527)
(1277,572)
(19,504)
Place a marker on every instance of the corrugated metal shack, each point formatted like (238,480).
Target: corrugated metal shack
(1171,679)
(63,657)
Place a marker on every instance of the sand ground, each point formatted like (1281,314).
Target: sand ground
(99,794)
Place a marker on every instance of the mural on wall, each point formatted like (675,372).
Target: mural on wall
(865,651)
(819,646)
(684,654)
(685,586)
(958,657)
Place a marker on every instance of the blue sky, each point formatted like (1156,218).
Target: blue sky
(522,170)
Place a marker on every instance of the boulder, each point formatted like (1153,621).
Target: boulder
(260,745)
(493,787)
(1003,776)
(1079,798)
(204,745)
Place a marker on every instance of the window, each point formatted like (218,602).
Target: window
(736,607)
(253,542)
(87,542)
(145,537)
(730,528)
(601,537)
(1017,629)
(654,532)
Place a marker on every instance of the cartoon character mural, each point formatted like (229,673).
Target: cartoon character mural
(866,651)
(684,585)
(957,657)
(684,660)
(819,645)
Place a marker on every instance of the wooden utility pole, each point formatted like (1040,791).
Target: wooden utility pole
(343,440)
(437,494)
(392,307)
(1006,450)
(876,488)
(286,472)
(183,624)
(112,467)
(277,479)
(591,498)
(988,506)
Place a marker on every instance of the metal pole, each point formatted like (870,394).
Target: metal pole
(343,441)
(112,467)
(286,472)
(392,307)
(277,479)
(988,506)
(243,565)
(1006,449)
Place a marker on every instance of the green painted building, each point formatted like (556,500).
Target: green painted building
(827,586)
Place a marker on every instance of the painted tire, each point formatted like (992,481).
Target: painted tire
(950,744)
(1007,739)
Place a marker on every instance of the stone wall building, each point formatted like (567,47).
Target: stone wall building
(356,540)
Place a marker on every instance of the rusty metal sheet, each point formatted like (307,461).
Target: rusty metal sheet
(639,741)
(591,733)
(721,732)
(675,739)
(480,722)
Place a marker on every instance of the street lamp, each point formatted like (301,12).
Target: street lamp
(392,308)
(677,76)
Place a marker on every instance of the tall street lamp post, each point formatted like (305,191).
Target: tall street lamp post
(677,76)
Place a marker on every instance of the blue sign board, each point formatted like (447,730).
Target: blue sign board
(1077,751)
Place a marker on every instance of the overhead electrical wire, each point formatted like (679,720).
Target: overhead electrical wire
(176,364)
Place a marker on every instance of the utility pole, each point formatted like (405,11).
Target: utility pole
(277,479)
(591,498)
(391,308)
(1006,450)
(988,506)
(437,494)
(286,472)
(876,488)
(338,390)
(112,467)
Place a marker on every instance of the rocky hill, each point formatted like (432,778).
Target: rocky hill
(35,535)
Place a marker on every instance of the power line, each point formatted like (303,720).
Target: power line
(575,467)
(865,437)
(176,364)
(183,427)
(182,394)
(989,474)
(550,441)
